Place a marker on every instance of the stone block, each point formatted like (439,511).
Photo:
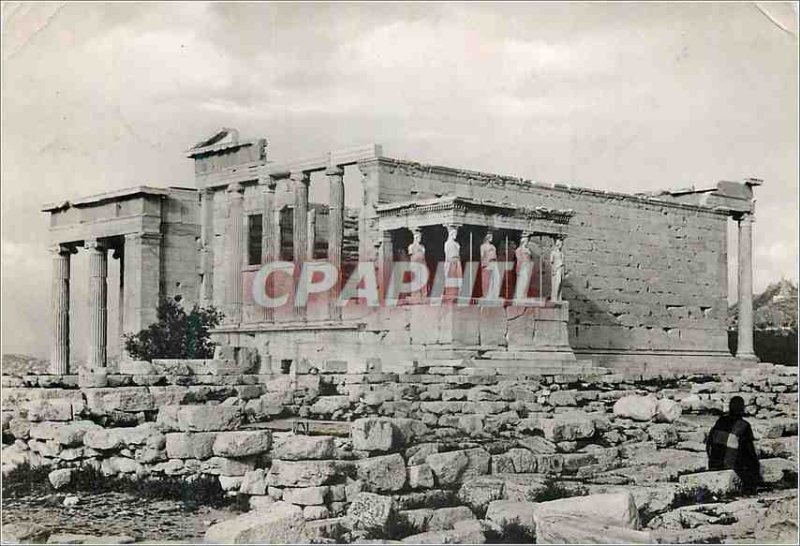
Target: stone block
(58,409)
(168,366)
(720,482)
(302,473)
(775,471)
(136,367)
(417,454)
(446,518)
(103,439)
(254,482)
(463,532)
(60,478)
(515,460)
(667,411)
(327,405)
(242,443)
(458,466)
(315,513)
(230,483)
(120,465)
(420,476)
(300,448)
(280,523)
(370,514)
(567,427)
(190,445)
(223,466)
(199,418)
(384,473)
(638,408)
(373,434)
(306,496)
(505,512)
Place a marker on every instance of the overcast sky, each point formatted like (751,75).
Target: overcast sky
(628,97)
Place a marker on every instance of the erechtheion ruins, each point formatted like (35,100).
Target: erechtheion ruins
(642,277)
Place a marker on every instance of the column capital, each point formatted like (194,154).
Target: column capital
(59,249)
(300,177)
(267,182)
(744,217)
(205,192)
(334,170)
(94,244)
(235,189)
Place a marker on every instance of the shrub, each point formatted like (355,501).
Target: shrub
(511,533)
(555,489)
(204,490)
(24,480)
(176,334)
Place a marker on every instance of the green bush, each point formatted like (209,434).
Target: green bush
(176,334)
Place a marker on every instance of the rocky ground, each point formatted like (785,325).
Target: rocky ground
(108,517)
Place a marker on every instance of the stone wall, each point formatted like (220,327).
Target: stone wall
(474,435)
(643,275)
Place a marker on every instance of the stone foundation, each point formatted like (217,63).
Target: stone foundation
(467,435)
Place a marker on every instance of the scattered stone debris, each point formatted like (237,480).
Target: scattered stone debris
(432,458)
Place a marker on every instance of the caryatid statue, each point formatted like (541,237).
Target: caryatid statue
(523,266)
(488,265)
(556,270)
(416,253)
(452,259)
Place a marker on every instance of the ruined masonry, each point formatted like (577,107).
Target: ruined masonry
(645,285)
(352,422)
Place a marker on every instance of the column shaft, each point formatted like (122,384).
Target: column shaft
(233,292)
(300,226)
(312,234)
(268,222)
(335,232)
(98,309)
(745,333)
(59,361)
(206,246)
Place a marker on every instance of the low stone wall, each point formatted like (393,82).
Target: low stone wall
(435,436)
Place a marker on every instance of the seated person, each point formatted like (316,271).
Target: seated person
(730,446)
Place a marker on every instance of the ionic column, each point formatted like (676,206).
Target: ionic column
(206,248)
(268,223)
(311,236)
(233,289)
(300,180)
(98,309)
(59,361)
(745,332)
(335,231)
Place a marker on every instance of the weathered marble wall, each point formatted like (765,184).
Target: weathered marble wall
(642,275)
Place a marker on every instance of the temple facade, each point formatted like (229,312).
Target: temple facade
(535,275)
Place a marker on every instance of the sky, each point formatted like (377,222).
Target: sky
(619,96)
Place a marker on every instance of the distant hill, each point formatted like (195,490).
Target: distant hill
(774,308)
(14,364)
(775,324)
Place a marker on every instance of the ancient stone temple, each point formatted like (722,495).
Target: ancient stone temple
(548,276)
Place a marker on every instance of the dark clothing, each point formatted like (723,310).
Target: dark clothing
(730,446)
